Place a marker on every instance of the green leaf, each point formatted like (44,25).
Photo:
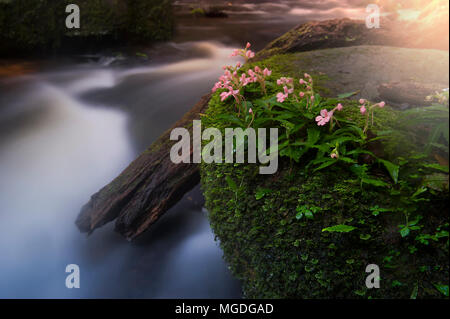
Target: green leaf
(325,164)
(339,229)
(437,167)
(313,136)
(443,289)
(232,119)
(404,231)
(392,169)
(309,214)
(261,192)
(374,182)
(365,236)
(347,160)
(347,95)
(231,183)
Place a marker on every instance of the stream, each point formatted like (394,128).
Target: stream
(69,127)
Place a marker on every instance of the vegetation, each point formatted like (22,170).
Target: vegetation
(359,183)
(39,25)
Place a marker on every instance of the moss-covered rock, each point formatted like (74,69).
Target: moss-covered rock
(271,227)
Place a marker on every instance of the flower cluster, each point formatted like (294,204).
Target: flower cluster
(327,116)
(245,53)
(288,88)
(232,82)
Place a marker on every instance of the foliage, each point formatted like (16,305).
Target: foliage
(40,24)
(345,188)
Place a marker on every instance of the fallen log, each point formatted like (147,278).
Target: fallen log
(146,189)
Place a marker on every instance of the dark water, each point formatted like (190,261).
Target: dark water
(70,128)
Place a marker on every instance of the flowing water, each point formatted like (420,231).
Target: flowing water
(70,128)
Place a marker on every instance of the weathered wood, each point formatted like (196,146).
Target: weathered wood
(146,189)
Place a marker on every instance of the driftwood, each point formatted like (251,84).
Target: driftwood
(146,189)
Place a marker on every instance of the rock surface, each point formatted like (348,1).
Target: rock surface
(346,32)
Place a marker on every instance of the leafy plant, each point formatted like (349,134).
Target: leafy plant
(339,229)
(307,211)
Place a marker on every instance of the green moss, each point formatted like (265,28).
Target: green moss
(277,255)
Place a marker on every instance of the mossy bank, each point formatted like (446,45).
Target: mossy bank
(271,227)
(38,26)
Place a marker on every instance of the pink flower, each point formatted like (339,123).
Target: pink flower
(324,117)
(301,94)
(334,155)
(235,52)
(308,88)
(302,81)
(243,79)
(284,80)
(363,110)
(257,69)
(267,72)
(250,54)
(339,107)
(216,86)
(362,101)
(248,45)
(287,91)
(281,97)
(238,65)
(224,96)
(312,98)
(381,104)
(306,75)
(250,111)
